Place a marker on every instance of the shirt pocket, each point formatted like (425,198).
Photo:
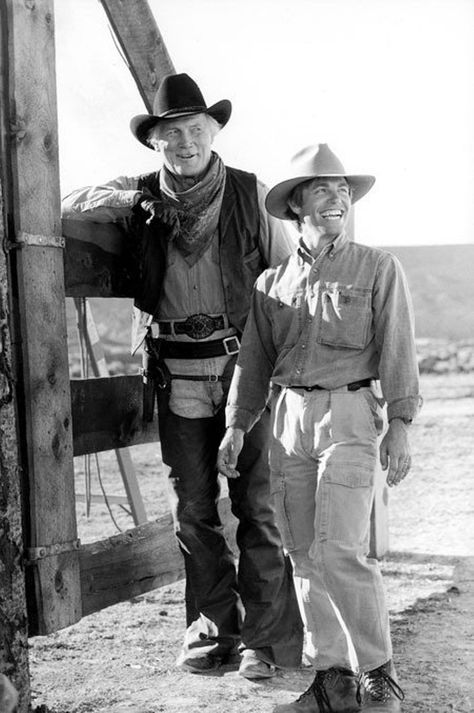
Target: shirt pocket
(285,313)
(346,316)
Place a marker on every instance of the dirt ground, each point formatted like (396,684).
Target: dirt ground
(121,660)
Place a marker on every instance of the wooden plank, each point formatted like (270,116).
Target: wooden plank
(98,260)
(107,414)
(137,561)
(142,44)
(53,582)
(99,367)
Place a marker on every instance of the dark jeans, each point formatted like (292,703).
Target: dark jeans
(215,589)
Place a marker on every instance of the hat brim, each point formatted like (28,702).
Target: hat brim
(141,124)
(276,201)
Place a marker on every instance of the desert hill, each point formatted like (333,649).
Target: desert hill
(441,279)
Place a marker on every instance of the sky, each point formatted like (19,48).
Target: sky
(388,84)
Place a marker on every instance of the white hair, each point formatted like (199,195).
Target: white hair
(154,133)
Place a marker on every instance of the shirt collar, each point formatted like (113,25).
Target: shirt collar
(330,249)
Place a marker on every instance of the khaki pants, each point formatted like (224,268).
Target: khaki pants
(323,458)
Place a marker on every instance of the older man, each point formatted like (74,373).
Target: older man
(323,327)
(204,237)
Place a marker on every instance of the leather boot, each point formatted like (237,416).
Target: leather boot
(335,690)
(380,690)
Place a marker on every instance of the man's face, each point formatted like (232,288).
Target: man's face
(185,144)
(325,205)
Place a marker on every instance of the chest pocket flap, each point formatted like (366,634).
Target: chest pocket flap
(346,315)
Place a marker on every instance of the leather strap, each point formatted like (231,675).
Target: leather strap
(353,386)
(198,350)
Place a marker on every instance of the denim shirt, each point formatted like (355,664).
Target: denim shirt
(341,317)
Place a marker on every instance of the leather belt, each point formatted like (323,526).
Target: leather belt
(202,350)
(353,386)
(197,326)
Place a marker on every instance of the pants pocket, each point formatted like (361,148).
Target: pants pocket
(375,410)
(344,504)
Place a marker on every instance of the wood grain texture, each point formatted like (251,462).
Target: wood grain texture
(137,561)
(107,414)
(54,597)
(141,41)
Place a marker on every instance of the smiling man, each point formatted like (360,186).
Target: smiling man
(204,236)
(324,328)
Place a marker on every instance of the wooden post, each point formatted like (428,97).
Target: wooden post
(13,619)
(36,247)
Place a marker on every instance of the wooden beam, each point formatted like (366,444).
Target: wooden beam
(98,260)
(53,580)
(137,561)
(107,414)
(142,44)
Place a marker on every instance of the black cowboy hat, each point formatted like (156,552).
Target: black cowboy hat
(178,95)
(313,162)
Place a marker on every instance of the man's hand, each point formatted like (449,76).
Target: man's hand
(157,211)
(229,450)
(395,452)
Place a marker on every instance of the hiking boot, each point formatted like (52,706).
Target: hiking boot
(335,690)
(380,690)
(253,667)
(198,664)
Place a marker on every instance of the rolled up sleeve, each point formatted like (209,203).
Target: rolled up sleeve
(105,203)
(395,340)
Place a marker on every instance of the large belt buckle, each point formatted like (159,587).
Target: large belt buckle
(199,326)
(234,349)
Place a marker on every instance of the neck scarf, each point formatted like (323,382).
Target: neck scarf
(197,207)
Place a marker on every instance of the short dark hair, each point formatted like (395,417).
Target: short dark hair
(296,197)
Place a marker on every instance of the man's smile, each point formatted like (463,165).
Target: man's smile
(333,214)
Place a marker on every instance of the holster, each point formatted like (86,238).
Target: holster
(156,377)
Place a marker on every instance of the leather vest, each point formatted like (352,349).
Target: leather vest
(241,261)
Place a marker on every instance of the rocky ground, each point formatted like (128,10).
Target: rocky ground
(121,660)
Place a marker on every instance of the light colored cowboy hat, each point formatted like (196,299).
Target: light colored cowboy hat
(313,162)
(178,95)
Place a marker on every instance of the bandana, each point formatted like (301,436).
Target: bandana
(197,208)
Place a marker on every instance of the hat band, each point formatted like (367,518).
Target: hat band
(185,110)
